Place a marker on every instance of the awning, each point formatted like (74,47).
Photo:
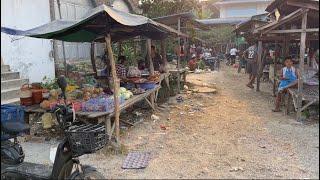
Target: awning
(96,24)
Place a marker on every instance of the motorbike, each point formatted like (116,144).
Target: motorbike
(66,164)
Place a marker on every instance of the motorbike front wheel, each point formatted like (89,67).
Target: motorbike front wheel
(88,173)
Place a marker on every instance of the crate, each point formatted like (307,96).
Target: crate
(86,138)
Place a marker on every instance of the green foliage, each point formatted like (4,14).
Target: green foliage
(221,34)
(49,83)
(158,8)
(128,52)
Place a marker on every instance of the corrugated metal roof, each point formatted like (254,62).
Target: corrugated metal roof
(221,21)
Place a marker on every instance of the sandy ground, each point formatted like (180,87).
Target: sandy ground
(229,134)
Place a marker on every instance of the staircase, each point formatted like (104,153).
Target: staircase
(10,85)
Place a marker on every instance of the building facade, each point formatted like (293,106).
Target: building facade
(35,58)
(241,8)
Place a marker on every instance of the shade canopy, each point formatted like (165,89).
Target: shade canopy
(96,24)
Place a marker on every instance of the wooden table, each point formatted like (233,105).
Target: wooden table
(102,116)
(182,72)
(310,94)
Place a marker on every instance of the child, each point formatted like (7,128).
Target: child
(288,78)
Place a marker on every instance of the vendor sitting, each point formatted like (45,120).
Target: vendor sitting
(192,64)
(121,68)
(156,59)
(288,78)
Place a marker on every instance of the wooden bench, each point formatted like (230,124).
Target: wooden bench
(310,95)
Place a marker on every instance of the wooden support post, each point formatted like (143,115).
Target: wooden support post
(119,49)
(301,63)
(179,58)
(286,46)
(63,47)
(116,84)
(149,58)
(260,64)
(275,69)
(93,60)
(151,68)
(164,54)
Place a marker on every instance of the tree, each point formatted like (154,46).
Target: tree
(222,34)
(158,8)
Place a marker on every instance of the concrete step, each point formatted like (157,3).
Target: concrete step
(11,101)
(13,83)
(5,68)
(9,75)
(10,94)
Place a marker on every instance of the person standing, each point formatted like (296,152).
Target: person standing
(233,54)
(252,66)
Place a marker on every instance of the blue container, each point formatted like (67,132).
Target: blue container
(147,86)
(11,113)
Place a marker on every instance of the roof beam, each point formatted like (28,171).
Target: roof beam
(293,31)
(302,5)
(276,24)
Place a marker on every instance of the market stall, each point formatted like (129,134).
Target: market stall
(181,22)
(102,24)
(293,21)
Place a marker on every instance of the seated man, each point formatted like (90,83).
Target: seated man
(288,78)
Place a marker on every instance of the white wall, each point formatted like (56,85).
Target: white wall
(258,6)
(29,56)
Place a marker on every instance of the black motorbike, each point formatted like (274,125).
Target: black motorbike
(78,139)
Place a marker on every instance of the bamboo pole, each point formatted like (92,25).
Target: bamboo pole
(116,87)
(260,64)
(301,63)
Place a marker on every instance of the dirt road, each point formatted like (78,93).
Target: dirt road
(229,134)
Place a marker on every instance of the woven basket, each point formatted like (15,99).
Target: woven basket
(26,91)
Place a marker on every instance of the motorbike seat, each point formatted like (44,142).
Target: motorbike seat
(14,128)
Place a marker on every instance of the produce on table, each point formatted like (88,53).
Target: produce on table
(125,93)
(100,104)
(154,78)
(136,91)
